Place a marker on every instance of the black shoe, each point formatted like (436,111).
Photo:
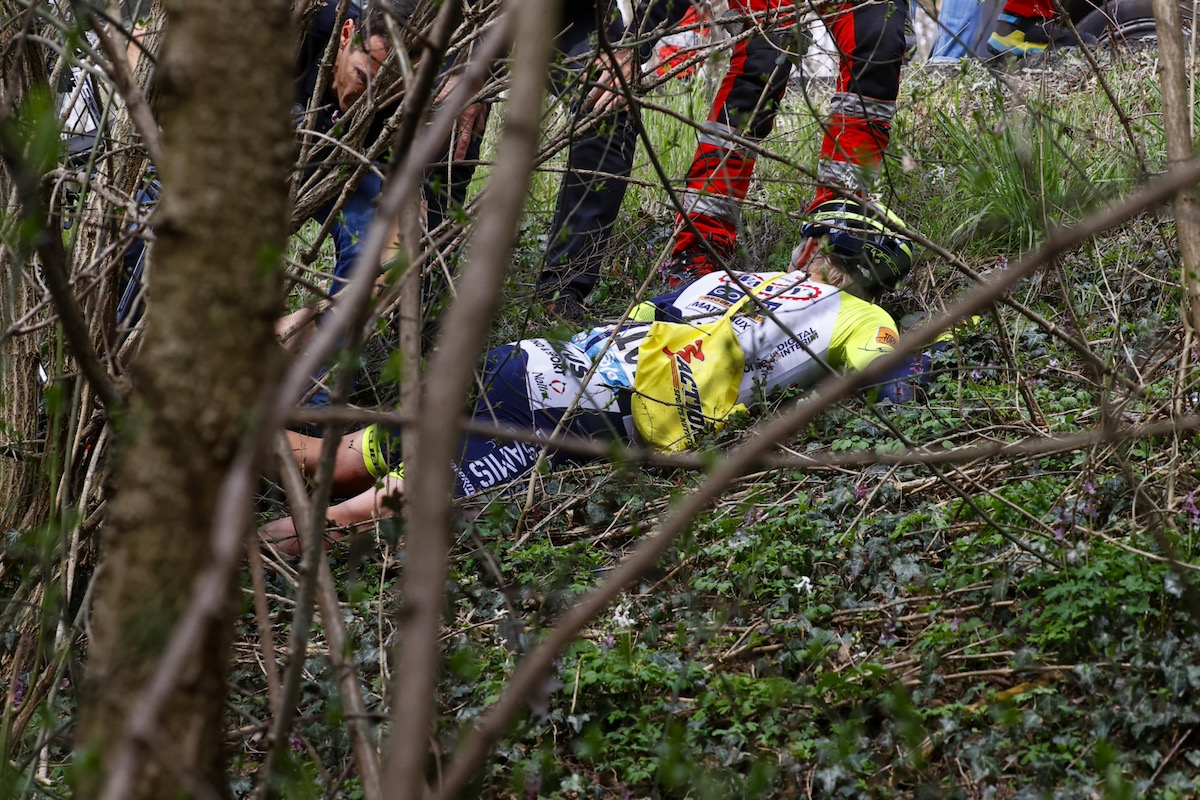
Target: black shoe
(682,268)
(568,307)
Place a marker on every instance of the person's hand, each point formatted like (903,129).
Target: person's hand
(471,121)
(609,93)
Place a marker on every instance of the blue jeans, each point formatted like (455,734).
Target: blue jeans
(957,22)
(350,228)
(348,232)
(130,306)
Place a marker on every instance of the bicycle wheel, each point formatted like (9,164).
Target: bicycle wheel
(1129,20)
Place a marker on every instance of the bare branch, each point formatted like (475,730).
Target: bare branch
(1064,18)
(139,110)
(451,370)
(1177,120)
(212,586)
(335,633)
(310,523)
(405,179)
(633,455)
(53,257)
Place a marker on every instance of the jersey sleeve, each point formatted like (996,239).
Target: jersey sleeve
(862,333)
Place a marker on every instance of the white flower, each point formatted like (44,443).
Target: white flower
(621,617)
(804,585)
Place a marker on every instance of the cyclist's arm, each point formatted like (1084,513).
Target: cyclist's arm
(863,332)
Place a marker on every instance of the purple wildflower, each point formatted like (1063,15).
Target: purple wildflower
(294,742)
(1189,505)
(1089,503)
(1063,522)
(954,623)
(888,637)
(861,491)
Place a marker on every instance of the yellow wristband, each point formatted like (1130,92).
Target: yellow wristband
(374,458)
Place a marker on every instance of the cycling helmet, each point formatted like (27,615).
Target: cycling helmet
(864,238)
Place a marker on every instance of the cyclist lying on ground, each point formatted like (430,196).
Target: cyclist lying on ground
(686,362)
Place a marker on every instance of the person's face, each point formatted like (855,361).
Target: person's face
(354,66)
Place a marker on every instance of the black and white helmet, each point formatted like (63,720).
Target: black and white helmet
(863,238)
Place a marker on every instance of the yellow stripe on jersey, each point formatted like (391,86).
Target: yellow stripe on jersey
(863,332)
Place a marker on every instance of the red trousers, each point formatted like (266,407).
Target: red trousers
(870,43)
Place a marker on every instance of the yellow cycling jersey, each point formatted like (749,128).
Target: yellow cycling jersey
(811,327)
(712,349)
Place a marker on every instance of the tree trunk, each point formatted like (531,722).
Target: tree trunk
(1177,125)
(224,89)
(22,485)
(22,482)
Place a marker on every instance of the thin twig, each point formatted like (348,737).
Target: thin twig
(262,618)
(451,371)
(53,257)
(135,102)
(1030,446)
(1170,755)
